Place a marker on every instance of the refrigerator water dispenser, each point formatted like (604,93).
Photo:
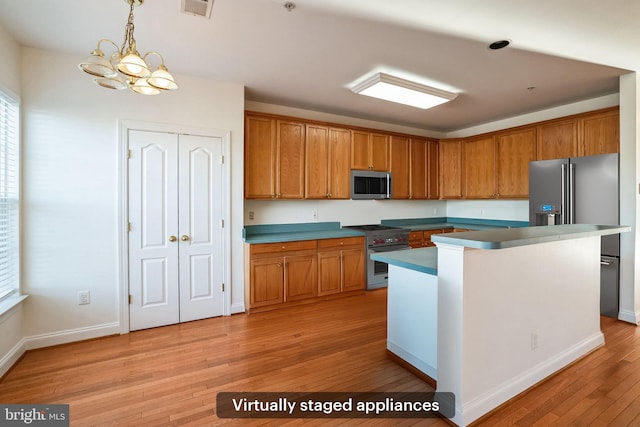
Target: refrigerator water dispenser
(548,215)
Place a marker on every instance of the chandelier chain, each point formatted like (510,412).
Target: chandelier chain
(129,44)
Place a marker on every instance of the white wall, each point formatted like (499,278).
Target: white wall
(71,193)
(629,200)
(347,212)
(10,64)
(513,210)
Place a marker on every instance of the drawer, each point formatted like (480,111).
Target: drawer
(340,242)
(299,245)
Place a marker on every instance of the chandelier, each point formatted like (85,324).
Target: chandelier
(125,68)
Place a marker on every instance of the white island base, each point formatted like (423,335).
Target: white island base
(513,308)
(412,320)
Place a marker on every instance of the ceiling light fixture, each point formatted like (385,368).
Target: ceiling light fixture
(395,89)
(125,68)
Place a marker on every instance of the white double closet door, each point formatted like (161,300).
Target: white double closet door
(176,230)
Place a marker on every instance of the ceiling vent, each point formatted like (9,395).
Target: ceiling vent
(197,7)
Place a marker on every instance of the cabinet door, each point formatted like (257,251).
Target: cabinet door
(558,139)
(450,160)
(300,277)
(316,168)
(415,239)
(399,167)
(433,190)
(427,236)
(599,134)
(514,152)
(329,273)
(418,169)
(360,150)
(259,157)
(379,152)
(353,270)
(339,163)
(290,160)
(267,282)
(479,168)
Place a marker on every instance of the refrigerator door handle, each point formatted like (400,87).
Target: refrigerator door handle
(572,193)
(607,263)
(563,195)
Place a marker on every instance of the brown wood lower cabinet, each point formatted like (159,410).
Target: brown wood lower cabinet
(289,273)
(422,238)
(340,265)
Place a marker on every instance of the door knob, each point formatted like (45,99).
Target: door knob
(172,238)
(184,238)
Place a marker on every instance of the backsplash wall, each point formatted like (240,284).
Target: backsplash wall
(352,212)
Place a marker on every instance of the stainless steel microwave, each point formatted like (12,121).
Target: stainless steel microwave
(370,185)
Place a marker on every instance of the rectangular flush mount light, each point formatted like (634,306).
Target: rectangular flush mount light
(395,89)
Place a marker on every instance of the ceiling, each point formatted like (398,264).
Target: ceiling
(308,57)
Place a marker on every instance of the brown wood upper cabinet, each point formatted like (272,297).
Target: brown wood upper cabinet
(274,158)
(450,170)
(479,160)
(433,189)
(414,168)
(557,139)
(514,150)
(327,170)
(369,151)
(399,167)
(599,133)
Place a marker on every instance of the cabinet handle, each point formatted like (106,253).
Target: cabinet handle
(184,238)
(283,246)
(172,238)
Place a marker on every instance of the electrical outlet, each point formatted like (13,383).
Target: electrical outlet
(251,215)
(535,339)
(84,298)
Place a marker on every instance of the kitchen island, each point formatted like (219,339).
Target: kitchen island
(513,306)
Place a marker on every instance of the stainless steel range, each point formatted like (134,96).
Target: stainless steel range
(380,238)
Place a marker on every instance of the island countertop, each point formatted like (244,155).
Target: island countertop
(424,260)
(512,237)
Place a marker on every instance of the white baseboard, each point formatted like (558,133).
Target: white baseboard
(477,407)
(55,338)
(9,359)
(71,335)
(237,308)
(413,360)
(629,316)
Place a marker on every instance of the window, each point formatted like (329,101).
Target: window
(9,192)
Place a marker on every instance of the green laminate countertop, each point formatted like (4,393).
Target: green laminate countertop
(417,224)
(272,233)
(424,260)
(512,237)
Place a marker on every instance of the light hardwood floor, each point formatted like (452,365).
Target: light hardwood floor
(171,375)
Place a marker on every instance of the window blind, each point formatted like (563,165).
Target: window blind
(9,196)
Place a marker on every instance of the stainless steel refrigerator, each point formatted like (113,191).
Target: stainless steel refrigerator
(581,190)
